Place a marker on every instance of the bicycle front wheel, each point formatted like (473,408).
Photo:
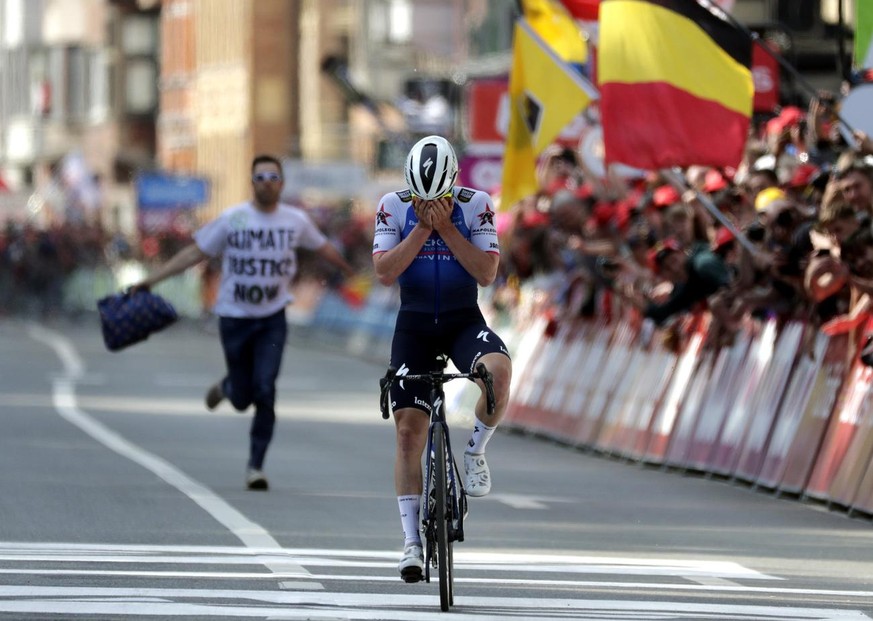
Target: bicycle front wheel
(442,515)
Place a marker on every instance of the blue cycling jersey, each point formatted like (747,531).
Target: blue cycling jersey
(436,281)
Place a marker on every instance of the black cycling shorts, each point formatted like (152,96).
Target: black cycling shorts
(462,335)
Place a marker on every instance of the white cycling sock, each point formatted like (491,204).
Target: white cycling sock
(481,434)
(409,512)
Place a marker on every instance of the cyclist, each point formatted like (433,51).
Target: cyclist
(439,242)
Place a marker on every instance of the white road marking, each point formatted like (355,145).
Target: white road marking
(64,398)
(314,557)
(90,601)
(42,559)
(525,501)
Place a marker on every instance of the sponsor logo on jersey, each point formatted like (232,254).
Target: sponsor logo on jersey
(382,216)
(486,217)
(422,403)
(404,195)
(483,335)
(465,194)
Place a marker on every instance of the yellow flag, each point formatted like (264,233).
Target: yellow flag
(554,25)
(545,94)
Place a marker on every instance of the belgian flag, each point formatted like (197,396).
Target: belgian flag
(675,82)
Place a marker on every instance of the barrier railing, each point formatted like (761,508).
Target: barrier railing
(781,409)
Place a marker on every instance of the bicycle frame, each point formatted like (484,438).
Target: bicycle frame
(445,500)
(457,496)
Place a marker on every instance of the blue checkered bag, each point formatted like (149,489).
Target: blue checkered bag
(128,318)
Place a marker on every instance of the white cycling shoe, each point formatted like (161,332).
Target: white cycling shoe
(478,479)
(412,563)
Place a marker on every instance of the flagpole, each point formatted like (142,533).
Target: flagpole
(678,181)
(755,38)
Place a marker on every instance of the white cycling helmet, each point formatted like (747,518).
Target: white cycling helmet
(431,168)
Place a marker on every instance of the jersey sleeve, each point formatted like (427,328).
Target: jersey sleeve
(388,227)
(483,227)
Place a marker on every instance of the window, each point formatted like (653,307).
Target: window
(140,86)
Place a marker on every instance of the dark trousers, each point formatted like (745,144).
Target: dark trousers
(253,349)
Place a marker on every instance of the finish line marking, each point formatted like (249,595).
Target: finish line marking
(366,607)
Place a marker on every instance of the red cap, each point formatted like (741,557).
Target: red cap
(603,213)
(714,181)
(790,115)
(722,237)
(665,196)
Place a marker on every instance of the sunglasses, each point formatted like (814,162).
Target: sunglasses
(261,177)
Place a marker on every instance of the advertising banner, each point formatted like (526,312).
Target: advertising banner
(726,378)
(659,370)
(854,464)
(613,380)
(570,378)
(741,412)
(668,410)
(797,396)
(581,400)
(690,412)
(841,431)
(768,397)
(803,449)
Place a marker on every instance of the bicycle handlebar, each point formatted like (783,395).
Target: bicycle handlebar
(481,373)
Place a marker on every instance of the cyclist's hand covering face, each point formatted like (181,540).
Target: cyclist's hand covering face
(419,205)
(440,211)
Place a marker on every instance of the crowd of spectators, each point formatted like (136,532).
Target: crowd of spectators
(35,263)
(38,262)
(635,246)
(652,245)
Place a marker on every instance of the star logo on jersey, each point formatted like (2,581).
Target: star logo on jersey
(486,217)
(382,216)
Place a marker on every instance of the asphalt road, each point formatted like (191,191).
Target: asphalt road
(121,497)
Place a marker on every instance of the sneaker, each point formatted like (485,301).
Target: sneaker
(255,479)
(478,480)
(412,563)
(214,396)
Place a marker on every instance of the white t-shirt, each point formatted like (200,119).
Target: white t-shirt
(260,257)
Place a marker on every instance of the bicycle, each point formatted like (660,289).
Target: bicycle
(443,512)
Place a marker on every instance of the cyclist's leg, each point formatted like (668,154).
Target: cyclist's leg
(477,343)
(411,425)
(409,400)
(474,344)
(500,367)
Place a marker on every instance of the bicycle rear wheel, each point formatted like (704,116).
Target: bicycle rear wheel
(442,515)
